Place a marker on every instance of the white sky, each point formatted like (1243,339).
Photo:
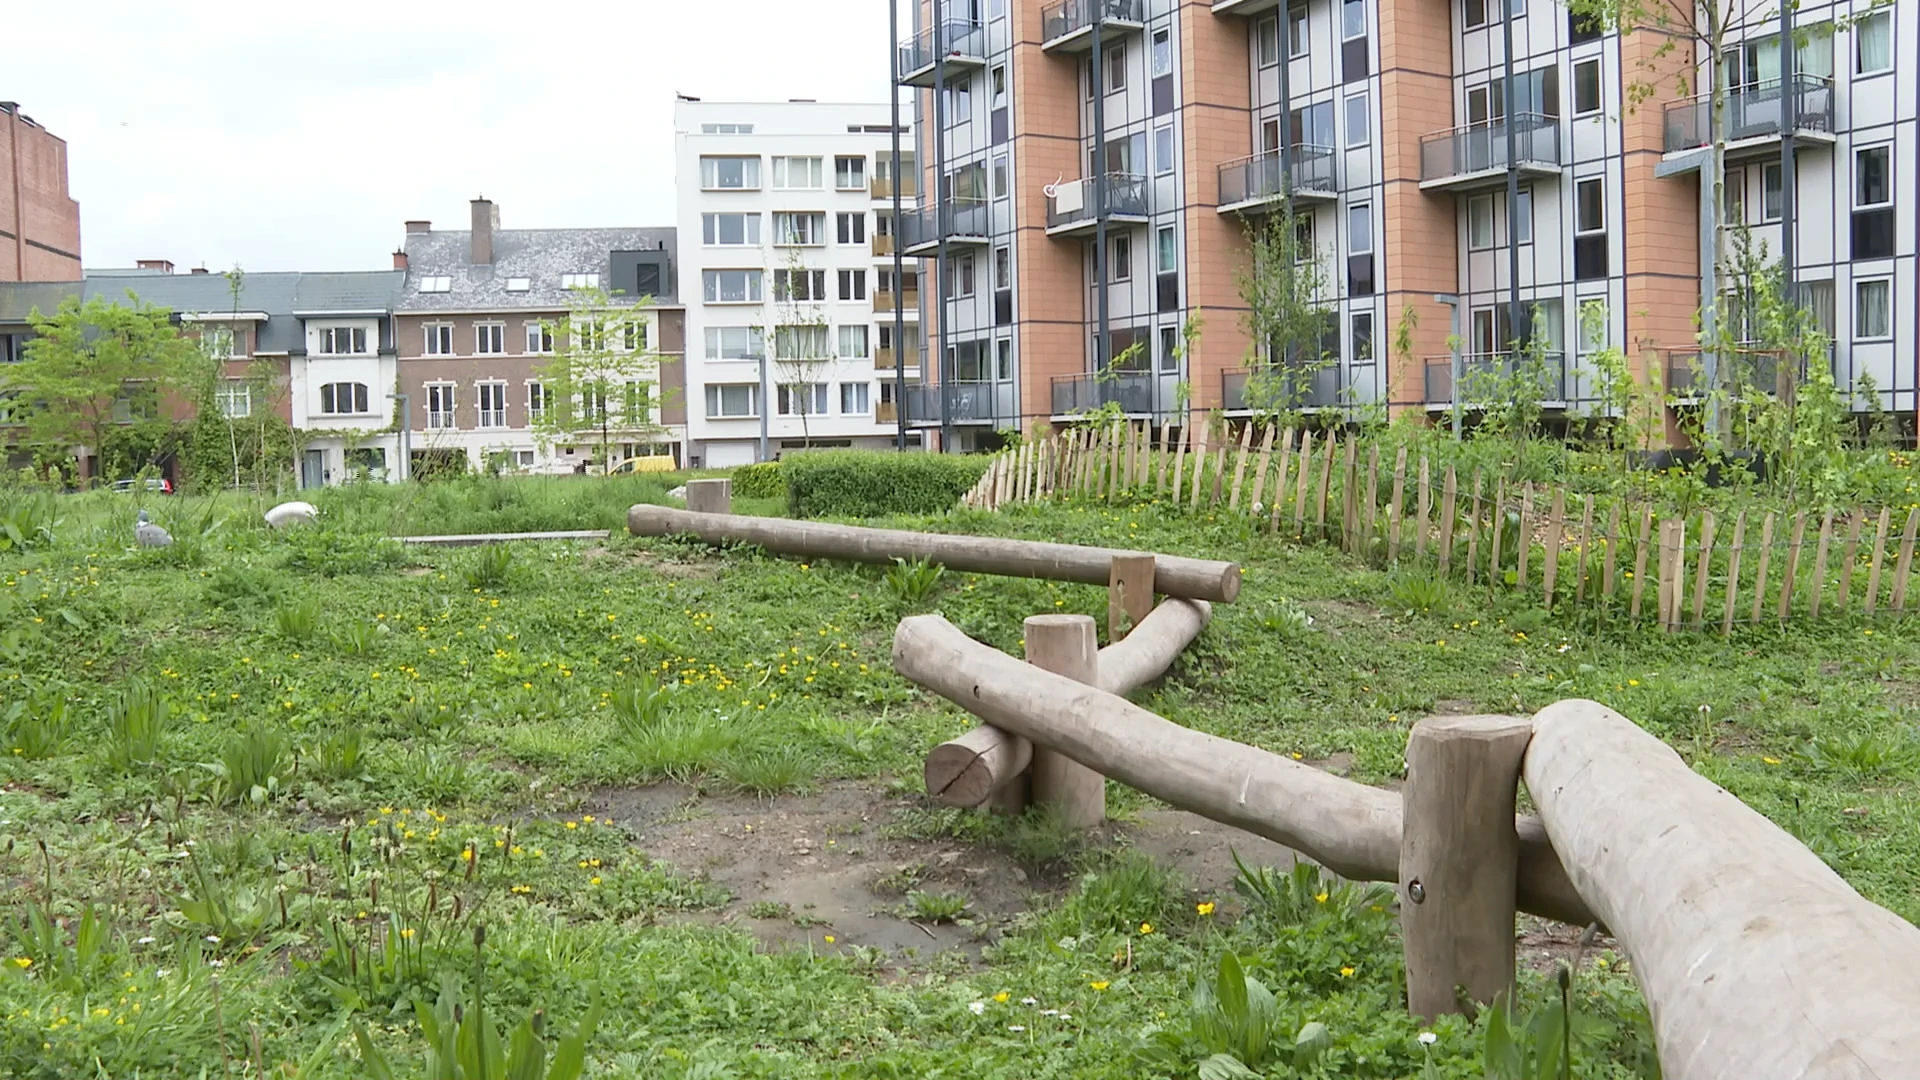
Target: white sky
(301,136)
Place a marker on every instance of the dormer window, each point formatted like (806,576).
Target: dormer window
(436,284)
(579,281)
(519,284)
(342,340)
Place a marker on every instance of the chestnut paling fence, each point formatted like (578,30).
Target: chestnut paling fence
(1622,558)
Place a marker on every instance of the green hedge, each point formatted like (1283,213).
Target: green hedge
(872,483)
(762,481)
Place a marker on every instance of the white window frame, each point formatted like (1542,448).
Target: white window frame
(1166,242)
(330,336)
(352,395)
(799,228)
(1297,46)
(850,227)
(1479,223)
(716,396)
(860,168)
(1883,333)
(1599,229)
(717,347)
(789,395)
(519,284)
(484,331)
(999,176)
(1002,268)
(1347,33)
(812,173)
(1116,65)
(436,283)
(963,275)
(1772,214)
(1360,211)
(580,280)
(443,406)
(438,339)
(710,179)
(1354,323)
(1525,219)
(997,86)
(539,339)
(496,417)
(1861,152)
(1120,257)
(852,286)
(1266,42)
(862,407)
(816,285)
(712,234)
(713,291)
(539,399)
(1884,19)
(633,335)
(853,342)
(1364,134)
(1162,53)
(235,398)
(1163,150)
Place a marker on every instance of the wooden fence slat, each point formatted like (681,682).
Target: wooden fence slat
(1424,499)
(1116,461)
(1180,461)
(1202,445)
(1305,461)
(1370,510)
(1349,500)
(1586,548)
(1760,568)
(1668,569)
(1260,475)
(1820,565)
(1702,572)
(1550,559)
(1326,484)
(1165,460)
(1613,553)
(1879,554)
(1494,580)
(1396,505)
(1906,560)
(1640,560)
(1733,570)
(1790,573)
(1677,595)
(1855,522)
(1143,466)
(1215,491)
(1473,527)
(1240,465)
(1526,537)
(1448,493)
(1280,481)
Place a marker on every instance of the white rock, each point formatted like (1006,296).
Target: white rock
(288,514)
(678,493)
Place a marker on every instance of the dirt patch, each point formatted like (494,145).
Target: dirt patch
(663,567)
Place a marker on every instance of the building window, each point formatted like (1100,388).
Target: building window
(1168,252)
(539,401)
(1480,222)
(1873,211)
(1872,309)
(1162,151)
(1266,36)
(636,403)
(1003,360)
(735,343)
(801,342)
(1120,259)
(344,399)
(730,230)
(963,275)
(493,404)
(853,284)
(580,281)
(235,399)
(732,401)
(804,400)
(439,340)
(1771,199)
(1583,28)
(1000,176)
(799,229)
(1523,218)
(1303,236)
(1297,31)
(633,336)
(586,335)
(1162,54)
(539,338)
(1169,349)
(998,82)
(519,284)
(798,174)
(1589,229)
(489,339)
(1359,124)
(854,398)
(729,173)
(436,283)
(850,173)
(1873,44)
(343,341)
(806,285)
(725,129)
(1586,87)
(731,286)
(1116,69)
(850,228)
(853,342)
(1476,13)
(1002,268)
(1362,343)
(960,100)
(1353,19)
(1360,229)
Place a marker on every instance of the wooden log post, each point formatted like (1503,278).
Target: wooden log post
(1129,593)
(710,496)
(1459,857)
(1734,551)
(1260,474)
(1754,956)
(1905,565)
(1844,593)
(1066,645)
(1879,557)
(1550,553)
(1449,494)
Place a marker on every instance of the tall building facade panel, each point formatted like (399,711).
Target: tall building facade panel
(39,221)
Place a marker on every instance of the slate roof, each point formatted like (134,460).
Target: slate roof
(541,255)
(277,293)
(18,299)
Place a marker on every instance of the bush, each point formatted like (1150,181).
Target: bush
(872,483)
(762,481)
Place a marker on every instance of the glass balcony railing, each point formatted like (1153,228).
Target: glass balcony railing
(1752,366)
(1067,17)
(1075,202)
(1274,389)
(964,44)
(1133,390)
(971,402)
(1495,375)
(1482,147)
(1754,112)
(1259,178)
(963,220)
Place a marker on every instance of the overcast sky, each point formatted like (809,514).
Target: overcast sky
(300,137)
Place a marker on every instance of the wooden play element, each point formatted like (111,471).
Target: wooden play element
(713,496)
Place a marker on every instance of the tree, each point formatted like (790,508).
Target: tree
(94,368)
(603,375)
(799,341)
(1287,320)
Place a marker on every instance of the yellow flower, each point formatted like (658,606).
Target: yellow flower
(407,933)
(23,962)
(1346,972)
(1002,997)
(829,939)
(593,881)
(573,824)
(1320,897)
(1100,984)
(1633,682)
(1771,760)
(1204,908)
(1146,928)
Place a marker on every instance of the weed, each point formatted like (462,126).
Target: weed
(769,909)
(638,706)
(911,583)
(1862,754)
(357,637)
(340,755)
(297,622)
(900,880)
(1302,894)
(766,770)
(251,767)
(36,727)
(137,721)
(681,748)
(1233,1029)
(1041,837)
(490,567)
(1284,617)
(1416,590)
(937,907)
(235,585)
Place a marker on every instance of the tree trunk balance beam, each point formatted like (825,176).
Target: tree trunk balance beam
(1755,958)
(1194,579)
(969,770)
(1350,828)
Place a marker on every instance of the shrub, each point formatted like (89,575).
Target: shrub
(873,483)
(762,481)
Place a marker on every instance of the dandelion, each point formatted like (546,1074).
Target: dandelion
(1002,997)
(1100,984)
(1346,972)
(830,939)
(1205,907)
(1295,755)
(1633,682)
(1771,760)
(1146,928)
(573,824)
(593,881)
(23,962)
(1320,897)
(407,933)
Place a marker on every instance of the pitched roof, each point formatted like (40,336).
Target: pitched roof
(539,255)
(19,299)
(342,291)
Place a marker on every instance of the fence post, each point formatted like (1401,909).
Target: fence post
(1326,484)
(1424,500)
(1129,594)
(1879,554)
(1790,577)
(1550,554)
(1855,522)
(1906,560)
(1499,526)
(1733,571)
(1066,645)
(1820,564)
(1200,448)
(1240,465)
(1613,555)
(1703,571)
(1586,549)
(1370,510)
(1350,496)
(1280,481)
(1640,560)
(1760,569)
(1449,495)
(1459,859)
(1526,537)
(1396,505)
(1305,463)
(1473,527)
(710,496)
(1260,476)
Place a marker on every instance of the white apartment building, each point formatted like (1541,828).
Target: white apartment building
(787,276)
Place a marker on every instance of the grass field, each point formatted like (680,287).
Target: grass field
(262,789)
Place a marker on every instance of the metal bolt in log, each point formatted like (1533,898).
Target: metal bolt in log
(1459,859)
(710,496)
(1129,594)
(1066,645)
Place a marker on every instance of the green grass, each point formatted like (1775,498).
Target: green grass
(339,757)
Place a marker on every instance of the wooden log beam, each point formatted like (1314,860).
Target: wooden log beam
(1755,958)
(1350,828)
(1198,579)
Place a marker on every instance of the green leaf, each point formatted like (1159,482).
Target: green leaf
(1230,991)
(525,1053)
(1225,1067)
(370,1056)
(1311,1041)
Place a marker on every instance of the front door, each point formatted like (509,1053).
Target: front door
(313,469)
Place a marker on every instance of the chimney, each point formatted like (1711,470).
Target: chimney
(419,226)
(198,270)
(486,218)
(165,266)
(399,260)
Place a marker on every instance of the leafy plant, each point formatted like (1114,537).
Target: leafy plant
(36,727)
(912,582)
(640,705)
(357,636)
(137,721)
(490,568)
(297,621)
(1302,894)
(1284,617)
(761,481)
(27,519)
(766,770)
(1415,590)
(251,766)
(1862,753)
(937,907)
(1234,1029)
(340,755)
(874,483)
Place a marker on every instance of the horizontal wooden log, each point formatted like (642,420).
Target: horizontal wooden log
(477,539)
(1755,958)
(1350,828)
(966,771)
(1198,579)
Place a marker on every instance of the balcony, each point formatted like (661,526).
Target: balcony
(885,413)
(961,221)
(1474,156)
(1245,8)
(882,245)
(965,46)
(883,358)
(1490,376)
(909,303)
(1071,209)
(1067,25)
(882,188)
(1256,184)
(1277,389)
(1075,394)
(972,403)
(1752,367)
(1753,116)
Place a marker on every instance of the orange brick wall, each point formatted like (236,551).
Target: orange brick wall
(1419,236)
(1662,226)
(1049,274)
(39,222)
(1215,102)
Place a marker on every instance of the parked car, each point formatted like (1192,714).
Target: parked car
(158,484)
(653,463)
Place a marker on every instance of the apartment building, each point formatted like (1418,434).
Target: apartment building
(39,221)
(787,238)
(484,311)
(1094,203)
